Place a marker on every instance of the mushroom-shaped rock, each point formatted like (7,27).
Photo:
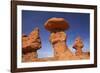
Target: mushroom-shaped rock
(58,37)
(54,24)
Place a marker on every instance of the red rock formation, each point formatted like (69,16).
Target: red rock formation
(78,45)
(30,45)
(58,37)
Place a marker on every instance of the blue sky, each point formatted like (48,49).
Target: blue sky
(79,26)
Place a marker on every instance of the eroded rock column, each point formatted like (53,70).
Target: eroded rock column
(78,45)
(58,37)
(30,45)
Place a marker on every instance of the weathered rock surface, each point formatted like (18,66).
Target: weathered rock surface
(29,57)
(32,42)
(58,41)
(78,45)
(30,45)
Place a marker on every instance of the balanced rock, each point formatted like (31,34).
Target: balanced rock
(58,37)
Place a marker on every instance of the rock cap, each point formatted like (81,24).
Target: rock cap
(54,23)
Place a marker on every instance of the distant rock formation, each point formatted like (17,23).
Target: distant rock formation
(78,45)
(58,37)
(30,45)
